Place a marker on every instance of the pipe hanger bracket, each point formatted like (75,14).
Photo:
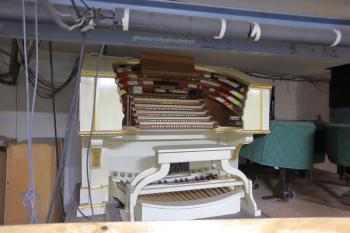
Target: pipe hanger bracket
(222,30)
(125,19)
(256,32)
(338,38)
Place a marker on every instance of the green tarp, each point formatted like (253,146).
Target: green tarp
(338,143)
(291,144)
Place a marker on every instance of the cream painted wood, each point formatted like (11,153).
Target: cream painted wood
(98,176)
(143,175)
(249,202)
(114,192)
(252,112)
(109,114)
(265,103)
(192,153)
(164,188)
(97,195)
(224,204)
(133,153)
(135,191)
(98,210)
(86,103)
(108,110)
(126,156)
(173,154)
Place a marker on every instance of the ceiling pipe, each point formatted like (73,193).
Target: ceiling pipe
(182,25)
(205,27)
(328,37)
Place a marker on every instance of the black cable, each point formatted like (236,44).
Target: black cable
(77,206)
(76,9)
(86,5)
(5,52)
(54,117)
(68,134)
(53,101)
(281,78)
(45,89)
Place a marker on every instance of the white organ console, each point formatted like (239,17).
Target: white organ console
(166,137)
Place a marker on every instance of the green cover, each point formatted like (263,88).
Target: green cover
(289,145)
(320,142)
(338,143)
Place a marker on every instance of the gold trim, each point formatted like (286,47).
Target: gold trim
(96,153)
(87,206)
(101,74)
(235,153)
(95,187)
(110,132)
(139,131)
(253,131)
(260,86)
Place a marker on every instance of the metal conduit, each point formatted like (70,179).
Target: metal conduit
(198,26)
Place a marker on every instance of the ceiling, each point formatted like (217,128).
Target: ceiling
(280,65)
(295,66)
(317,8)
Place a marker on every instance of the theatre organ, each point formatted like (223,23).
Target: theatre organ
(166,137)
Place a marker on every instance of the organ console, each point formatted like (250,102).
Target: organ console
(166,135)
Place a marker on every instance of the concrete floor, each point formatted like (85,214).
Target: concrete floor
(325,196)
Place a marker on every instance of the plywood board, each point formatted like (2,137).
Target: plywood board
(282,225)
(17,173)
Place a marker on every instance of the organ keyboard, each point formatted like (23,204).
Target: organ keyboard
(146,107)
(170,114)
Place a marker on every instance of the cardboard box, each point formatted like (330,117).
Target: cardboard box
(16,182)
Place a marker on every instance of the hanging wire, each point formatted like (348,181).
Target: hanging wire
(53,102)
(29,196)
(87,167)
(71,122)
(284,78)
(45,89)
(85,4)
(319,84)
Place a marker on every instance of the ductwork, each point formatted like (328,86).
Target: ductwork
(205,27)
(140,21)
(329,37)
(183,25)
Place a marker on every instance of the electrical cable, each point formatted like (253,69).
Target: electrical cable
(5,52)
(86,5)
(76,9)
(56,16)
(53,101)
(45,89)
(77,206)
(281,78)
(68,133)
(316,83)
(87,167)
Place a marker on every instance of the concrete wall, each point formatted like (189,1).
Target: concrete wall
(13,112)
